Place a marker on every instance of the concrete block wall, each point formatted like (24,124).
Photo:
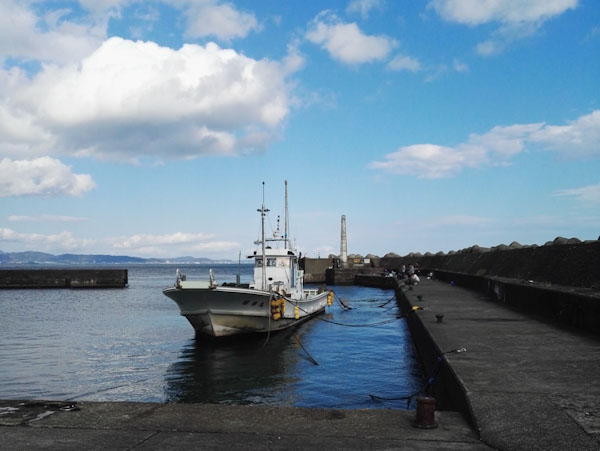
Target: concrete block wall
(575,265)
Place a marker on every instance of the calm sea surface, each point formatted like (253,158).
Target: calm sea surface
(132,345)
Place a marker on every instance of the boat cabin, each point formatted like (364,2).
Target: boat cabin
(281,271)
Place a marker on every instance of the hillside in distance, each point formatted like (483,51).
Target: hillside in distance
(42,258)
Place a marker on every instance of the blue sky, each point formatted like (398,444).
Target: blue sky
(147,128)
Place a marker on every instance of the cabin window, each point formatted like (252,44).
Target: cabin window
(271,262)
(258,262)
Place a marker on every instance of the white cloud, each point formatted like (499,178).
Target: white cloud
(579,139)
(173,244)
(177,243)
(489,47)
(59,41)
(215,246)
(63,240)
(46,218)
(43,176)
(590,193)
(130,99)
(363,7)
(459,66)
(101,7)
(143,240)
(517,19)
(427,161)
(345,42)
(401,62)
(210,18)
(477,12)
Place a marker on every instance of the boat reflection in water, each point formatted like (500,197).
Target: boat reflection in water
(236,372)
(353,362)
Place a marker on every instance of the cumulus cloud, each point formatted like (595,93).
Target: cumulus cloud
(177,243)
(143,240)
(223,20)
(50,38)
(589,193)
(578,139)
(427,161)
(363,7)
(43,176)
(516,19)
(130,99)
(402,62)
(477,12)
(63,240)
(345,42)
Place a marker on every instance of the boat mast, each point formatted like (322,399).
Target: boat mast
(285,220)
(263,213)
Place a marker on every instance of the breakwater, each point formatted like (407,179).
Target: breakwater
(559,281)
(63,278)
(523,382)
(557,262)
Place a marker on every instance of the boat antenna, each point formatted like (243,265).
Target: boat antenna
(286,220)
(263,213)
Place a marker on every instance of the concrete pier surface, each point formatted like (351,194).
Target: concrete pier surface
(525,382)
(150,426)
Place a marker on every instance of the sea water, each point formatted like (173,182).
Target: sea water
(131,344)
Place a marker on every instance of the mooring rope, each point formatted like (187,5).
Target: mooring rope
(425,388)
(269,322)
(387,302)
(380,323)
(341,302)
(310,357)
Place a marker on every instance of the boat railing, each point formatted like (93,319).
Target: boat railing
(311,293)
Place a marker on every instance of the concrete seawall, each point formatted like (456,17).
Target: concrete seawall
(522,381)
(63,278)
(557,281)
(574,306)
(576,265)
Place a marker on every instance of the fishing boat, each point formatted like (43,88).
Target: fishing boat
(275,300)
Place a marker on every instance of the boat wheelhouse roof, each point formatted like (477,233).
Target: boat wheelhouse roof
(269,252)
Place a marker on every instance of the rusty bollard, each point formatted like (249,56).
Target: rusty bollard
(425,413)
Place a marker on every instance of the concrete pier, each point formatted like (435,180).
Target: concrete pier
(524,382)
(63,278)
(151,426)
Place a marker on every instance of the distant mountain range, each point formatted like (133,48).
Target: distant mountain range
(42,258)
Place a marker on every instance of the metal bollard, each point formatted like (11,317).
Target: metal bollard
(439,318)
(425,418)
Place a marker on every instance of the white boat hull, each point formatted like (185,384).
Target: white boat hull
(227,311)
